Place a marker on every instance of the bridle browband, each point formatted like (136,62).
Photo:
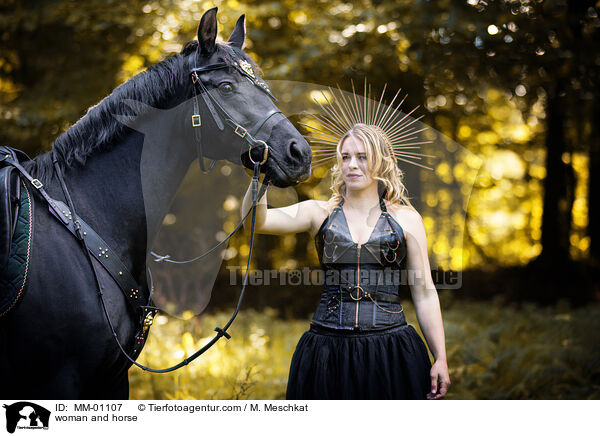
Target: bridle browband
(215,108)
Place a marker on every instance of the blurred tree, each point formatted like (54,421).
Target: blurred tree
(57,58)
(594,179)
(533,50)
(515,81)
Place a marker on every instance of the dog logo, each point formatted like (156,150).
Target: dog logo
(26,415)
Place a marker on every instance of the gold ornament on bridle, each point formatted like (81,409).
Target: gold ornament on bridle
(341,113)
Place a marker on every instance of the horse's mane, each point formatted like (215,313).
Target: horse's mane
(98,128)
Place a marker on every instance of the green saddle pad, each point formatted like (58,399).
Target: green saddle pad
(14,276)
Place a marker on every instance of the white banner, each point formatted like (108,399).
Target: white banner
(282,417)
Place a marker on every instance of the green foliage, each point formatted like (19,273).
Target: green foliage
(494,352)
(498,352)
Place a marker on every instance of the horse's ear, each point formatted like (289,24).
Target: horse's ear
(207,32)
(238,36)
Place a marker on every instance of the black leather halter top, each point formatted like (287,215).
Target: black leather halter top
(361,281)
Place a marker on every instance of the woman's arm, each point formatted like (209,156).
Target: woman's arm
(298,217)
(425,297)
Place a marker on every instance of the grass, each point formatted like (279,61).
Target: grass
(494,352)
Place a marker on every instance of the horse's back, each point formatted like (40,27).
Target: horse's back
(56,342)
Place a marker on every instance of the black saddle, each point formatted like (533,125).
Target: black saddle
(10,194)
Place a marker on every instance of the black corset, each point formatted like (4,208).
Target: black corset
(361,282)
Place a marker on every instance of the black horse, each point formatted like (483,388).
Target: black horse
(56,343)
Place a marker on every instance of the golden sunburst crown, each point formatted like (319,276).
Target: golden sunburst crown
(340,112)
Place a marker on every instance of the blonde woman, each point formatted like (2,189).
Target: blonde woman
(371,243)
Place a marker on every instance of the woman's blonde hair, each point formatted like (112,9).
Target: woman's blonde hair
(381,162)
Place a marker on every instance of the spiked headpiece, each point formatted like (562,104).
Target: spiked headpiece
(341,113)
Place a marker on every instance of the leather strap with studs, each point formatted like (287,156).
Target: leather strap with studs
(103,253)
(94,243)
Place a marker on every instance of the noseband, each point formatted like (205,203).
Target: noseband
(221,117)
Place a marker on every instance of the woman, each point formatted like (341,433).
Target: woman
(359,345)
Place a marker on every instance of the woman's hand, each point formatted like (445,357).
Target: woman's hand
(440,380)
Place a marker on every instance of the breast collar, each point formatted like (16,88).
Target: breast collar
(215,107)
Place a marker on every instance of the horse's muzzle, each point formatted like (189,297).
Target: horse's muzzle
(290,155)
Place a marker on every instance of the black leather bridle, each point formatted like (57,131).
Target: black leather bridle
(219,114)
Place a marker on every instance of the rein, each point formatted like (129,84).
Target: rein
(221,331)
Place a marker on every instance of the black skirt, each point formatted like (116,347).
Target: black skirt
(341,365)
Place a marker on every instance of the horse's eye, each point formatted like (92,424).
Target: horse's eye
(226,88)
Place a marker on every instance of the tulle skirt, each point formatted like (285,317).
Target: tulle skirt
(334,364)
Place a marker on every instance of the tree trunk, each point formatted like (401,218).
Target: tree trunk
(594,184)
(558,184)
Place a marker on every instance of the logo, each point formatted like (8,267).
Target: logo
(25,415)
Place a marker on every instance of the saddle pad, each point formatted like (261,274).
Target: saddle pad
(14,276)
(9,208)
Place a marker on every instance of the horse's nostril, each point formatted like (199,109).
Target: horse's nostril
(294,151)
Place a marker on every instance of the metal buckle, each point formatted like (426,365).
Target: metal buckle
(37,183)
(240,128)
(148,320)
(196,121)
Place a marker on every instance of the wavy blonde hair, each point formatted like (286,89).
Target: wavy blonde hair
(381,162)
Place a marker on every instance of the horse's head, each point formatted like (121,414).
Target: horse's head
(234,116)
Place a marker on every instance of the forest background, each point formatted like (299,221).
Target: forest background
(511,86)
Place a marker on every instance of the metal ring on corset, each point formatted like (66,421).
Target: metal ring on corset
(397,242)
(359,290)
(325,251)
(393,260)
(325,238)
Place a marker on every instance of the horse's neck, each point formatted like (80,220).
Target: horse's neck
(164,163)
(125,193)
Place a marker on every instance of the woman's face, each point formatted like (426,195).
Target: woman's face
(355,168)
